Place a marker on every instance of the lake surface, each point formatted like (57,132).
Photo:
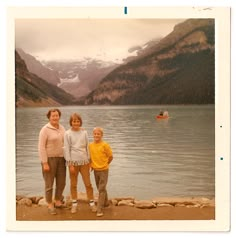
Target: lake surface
(173,157)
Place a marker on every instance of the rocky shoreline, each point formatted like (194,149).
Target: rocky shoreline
(188,202)
(34,208)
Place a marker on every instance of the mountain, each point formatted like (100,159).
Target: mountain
(177,69)
(138,50)
(36,67)
(31,90)
(80,77)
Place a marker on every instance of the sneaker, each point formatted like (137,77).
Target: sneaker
(73,209)
(100,214)
(93,208)
(52,210)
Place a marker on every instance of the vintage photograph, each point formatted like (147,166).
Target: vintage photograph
(117,118)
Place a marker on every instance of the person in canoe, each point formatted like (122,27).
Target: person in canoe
(161,113)
(165,113)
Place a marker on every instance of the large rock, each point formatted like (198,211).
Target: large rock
(144,204)
(186,201)
(19,197)
(114,202)
(42,202)
(126,203)
(124,198)
(25,202)
(35,199)
(165,205)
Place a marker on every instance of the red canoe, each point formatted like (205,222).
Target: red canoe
(161,117)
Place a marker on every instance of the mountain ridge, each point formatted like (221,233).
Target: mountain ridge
(32,91)
(170,72)
(76,77)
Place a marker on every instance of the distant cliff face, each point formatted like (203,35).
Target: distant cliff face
(35,67)
(34,91)
(179,69)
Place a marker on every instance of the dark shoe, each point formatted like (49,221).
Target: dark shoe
(62,199)
(60,206)
(52,210)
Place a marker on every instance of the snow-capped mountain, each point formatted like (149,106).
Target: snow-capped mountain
(80,77)
(77,77)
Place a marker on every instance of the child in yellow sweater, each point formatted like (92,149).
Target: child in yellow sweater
(101,156)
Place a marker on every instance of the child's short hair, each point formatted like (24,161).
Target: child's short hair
(99,129)
(75,116)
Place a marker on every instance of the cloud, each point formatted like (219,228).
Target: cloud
(78,38)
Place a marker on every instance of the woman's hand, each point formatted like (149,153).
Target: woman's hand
(46,167)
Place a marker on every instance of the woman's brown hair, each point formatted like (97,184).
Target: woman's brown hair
(53,110)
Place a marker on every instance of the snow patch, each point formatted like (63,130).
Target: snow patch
(69,80)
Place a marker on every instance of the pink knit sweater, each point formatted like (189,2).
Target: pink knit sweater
(51,142)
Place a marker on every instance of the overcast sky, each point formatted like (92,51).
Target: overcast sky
(106,39)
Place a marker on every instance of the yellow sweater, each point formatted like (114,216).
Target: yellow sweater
(100,154)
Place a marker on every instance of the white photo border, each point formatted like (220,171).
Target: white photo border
(222,117)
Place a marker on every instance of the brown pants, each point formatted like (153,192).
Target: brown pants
(57,171)
(101,179)
(84,170)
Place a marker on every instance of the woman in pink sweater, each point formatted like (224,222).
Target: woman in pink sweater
(51,155)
